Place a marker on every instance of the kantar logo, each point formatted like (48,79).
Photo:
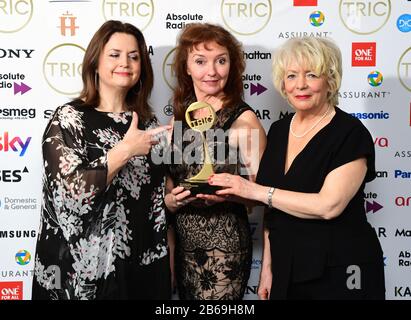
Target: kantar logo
(246,17)
(62,68)
(364,16)
(137,12)
(404,69)
(15,15)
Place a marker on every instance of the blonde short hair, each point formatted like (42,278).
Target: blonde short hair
(322,56)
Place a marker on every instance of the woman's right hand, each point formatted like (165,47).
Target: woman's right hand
(177,198)
(139,142)
(264,287)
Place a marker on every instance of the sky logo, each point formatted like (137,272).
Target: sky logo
(375,78)
(404,23)
(16,144)
(317,18)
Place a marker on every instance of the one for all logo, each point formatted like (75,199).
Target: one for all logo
(364,16)
(138,12)
(15,15)
(62,68)
(246,17)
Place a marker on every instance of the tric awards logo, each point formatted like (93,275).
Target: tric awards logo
(317,18)
(246,17)
(404,69)
(62,68)
(15,15)
(375,78)
(168,74)
(364,16)
(137,12)
(23,257)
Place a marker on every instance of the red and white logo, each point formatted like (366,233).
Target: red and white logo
(11,290)
(305,3)
(363,54)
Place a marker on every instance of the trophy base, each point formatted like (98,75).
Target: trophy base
(199,186)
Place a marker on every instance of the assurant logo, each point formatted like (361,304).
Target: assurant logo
(364,16)
(137,12)
(246,17)
(15,15)
(317,18)
(62,68)
(23,257)
(375,78)
(404,69)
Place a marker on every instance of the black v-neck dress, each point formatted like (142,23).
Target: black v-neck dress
(301,249)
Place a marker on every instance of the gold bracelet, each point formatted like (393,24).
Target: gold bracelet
(270,197)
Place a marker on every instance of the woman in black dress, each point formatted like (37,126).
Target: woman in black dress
(103,232)
(213,242)
(317,241)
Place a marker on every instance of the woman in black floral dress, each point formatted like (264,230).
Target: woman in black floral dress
(103,229)
(213,246)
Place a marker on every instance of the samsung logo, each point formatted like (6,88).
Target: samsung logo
(17,234)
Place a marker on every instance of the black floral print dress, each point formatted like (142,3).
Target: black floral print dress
(99,241)
(213,243)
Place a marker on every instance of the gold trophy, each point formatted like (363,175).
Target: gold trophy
(199,183)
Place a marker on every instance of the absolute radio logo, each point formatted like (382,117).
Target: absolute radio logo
(246,17)
(364,16)
(138,12)
(305,3)
(11,290)
(404,69)
(14,81)
(15,15)
(363,54)
(62,68)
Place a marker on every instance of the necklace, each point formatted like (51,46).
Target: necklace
(307,131)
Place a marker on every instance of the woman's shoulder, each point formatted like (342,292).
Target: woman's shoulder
(346,122)
(281,124)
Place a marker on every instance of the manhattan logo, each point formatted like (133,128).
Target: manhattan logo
(15,144)
(372,206)
(258,89)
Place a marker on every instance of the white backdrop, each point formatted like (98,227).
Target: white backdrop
(41,48)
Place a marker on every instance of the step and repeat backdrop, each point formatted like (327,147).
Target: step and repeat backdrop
(42,44)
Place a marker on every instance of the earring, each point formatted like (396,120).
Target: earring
(137,89)
(96,80)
